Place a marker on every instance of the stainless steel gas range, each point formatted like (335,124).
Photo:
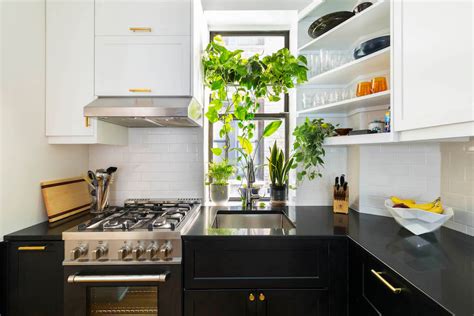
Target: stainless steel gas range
(128,259)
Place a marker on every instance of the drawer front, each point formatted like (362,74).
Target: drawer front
(143,66)
(380,287)
(142,17)
(256,263)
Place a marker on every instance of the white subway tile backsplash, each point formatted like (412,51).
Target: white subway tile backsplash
(157,163)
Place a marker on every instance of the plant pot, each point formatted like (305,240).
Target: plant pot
(219,193)
(279,195)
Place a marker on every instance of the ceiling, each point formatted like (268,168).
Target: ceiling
(255,4)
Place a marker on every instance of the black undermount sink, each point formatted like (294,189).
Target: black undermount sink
(252,219)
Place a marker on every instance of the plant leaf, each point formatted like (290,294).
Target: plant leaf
(246,145)
(271,128)
(216,151)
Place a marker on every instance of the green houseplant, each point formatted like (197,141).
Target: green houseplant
(279,169)
(218,180)
(308,147)
(238,85)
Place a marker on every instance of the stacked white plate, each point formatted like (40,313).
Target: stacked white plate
(418,221)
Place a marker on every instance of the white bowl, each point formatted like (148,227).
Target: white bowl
(418,221)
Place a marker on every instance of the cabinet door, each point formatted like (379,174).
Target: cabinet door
(143,17)
(220,303)
(36,278)
(287,302)
(69,66)
(146,65)
(433,63)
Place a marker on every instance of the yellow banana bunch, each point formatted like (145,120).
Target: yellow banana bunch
(435,206)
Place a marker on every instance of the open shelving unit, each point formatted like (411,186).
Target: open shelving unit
(355,112)
(351,105)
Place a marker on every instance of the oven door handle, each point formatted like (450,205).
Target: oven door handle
(161,278)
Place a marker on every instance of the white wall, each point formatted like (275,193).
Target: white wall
(457,184)
(157,163)
(26,158)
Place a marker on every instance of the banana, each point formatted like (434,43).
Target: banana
(438,208)
(424,207)
(397,200)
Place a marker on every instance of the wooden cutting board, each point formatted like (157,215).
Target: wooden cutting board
(65,197)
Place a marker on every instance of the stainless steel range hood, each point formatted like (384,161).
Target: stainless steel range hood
(147,111)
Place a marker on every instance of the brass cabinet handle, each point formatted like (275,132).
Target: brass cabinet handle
(261,297)
(140,29)
(378,275)
(139,90)
(87,121)
(251,297)
(32,248)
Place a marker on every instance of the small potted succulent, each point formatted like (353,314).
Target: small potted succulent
(279,170)
(218,180)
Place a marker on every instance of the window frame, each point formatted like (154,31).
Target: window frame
(285,115)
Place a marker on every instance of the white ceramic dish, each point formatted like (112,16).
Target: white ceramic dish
(418,221)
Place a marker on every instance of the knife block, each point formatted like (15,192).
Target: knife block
(341,200)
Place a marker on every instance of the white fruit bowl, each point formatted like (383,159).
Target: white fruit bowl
(418,221)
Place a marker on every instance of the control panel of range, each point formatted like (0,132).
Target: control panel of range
(123,251)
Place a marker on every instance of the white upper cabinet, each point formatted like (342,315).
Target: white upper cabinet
(142,17)
(433,68)
(70,76)
(143,65)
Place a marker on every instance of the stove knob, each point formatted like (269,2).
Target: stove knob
(99,252)
(78,252)
(165,250)
(124,252)
(151,251)
(137,252)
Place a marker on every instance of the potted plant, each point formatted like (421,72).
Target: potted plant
(308,147)
(279,169)
(218,180)
(238,85)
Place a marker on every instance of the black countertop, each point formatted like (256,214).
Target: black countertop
(46,231)
(441,264)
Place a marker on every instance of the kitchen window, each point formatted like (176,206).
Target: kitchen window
(264,43)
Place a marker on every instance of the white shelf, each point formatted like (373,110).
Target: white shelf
(347,106)
(379,138)
(343,36)
(345,74)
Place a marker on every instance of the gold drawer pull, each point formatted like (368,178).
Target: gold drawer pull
(140,29)
(378,275)
(32,248)
(251,297)
(88,121)
(261,297)
(139,90)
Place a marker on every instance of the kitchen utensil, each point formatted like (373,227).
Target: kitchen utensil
(342,179)
(418,221)
(343,131)
(92,177)
(65,197)
(379,84)
(328,22)
(361,6)
(371,46)
(364,88)
(377,126)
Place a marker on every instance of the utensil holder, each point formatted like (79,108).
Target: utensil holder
(341,200)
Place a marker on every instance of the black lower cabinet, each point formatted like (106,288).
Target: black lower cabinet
(375,289)
(35,278)
(265,276)
(266,302)
(3,278)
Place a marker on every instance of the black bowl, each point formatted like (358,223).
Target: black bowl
(371,46)
(362,6)
(328,22)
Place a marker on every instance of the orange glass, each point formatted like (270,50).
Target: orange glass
(363,88)
(379,84)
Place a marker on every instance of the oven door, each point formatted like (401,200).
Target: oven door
(122,290)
